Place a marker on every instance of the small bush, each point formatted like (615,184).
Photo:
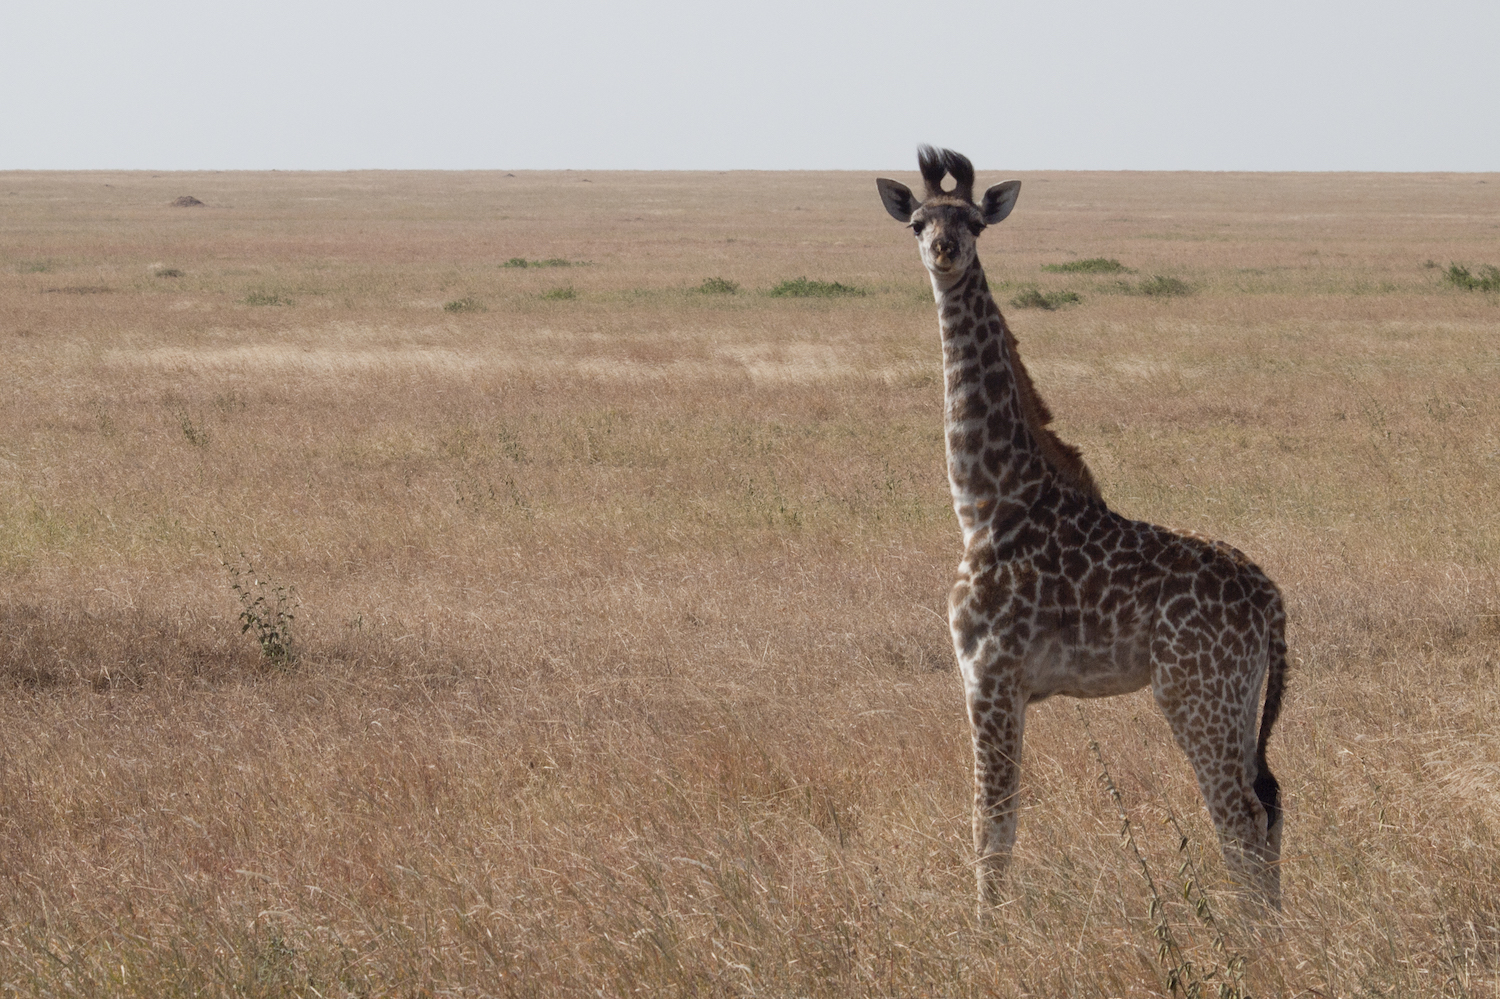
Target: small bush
(517,262)
(1158,286)
(267,298)
(563,294)
(266,610)
(803,288)
(1488,278)
(169,272)
(1034,298)
(718,286)
(1093,265)
(465,305)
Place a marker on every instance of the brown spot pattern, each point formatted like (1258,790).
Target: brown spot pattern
(1058,594)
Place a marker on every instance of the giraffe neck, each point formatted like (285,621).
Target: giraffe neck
(996,468)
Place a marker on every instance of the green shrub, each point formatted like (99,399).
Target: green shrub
(563,294)
(267,610)
(169,272)
(465,305)
(1093,265)
(549,262)
(718,286)
(1159,286)
(267,298)
(1487,280)
(803,288)
(1034,298)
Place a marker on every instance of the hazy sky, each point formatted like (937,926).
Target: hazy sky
(769,84)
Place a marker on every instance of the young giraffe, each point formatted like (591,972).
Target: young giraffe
(1058,594)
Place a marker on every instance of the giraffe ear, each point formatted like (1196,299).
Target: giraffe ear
(897,198)
(999,200)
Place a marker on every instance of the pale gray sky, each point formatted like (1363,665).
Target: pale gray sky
(767,84)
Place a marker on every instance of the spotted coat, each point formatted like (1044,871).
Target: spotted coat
(1058,594)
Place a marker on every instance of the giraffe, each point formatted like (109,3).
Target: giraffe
(1058,594)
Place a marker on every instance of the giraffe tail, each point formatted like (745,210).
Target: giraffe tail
(1267,788)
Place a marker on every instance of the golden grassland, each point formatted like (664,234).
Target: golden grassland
(619,660)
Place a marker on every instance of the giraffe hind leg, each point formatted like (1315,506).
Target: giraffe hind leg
(1218,740)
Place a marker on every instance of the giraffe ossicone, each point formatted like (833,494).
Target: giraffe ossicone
(1058,594)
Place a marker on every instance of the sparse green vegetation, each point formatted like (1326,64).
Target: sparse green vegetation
(34,267)
(1160,286)
(1488,278)
(194,432)
(563,294)
(261,297)
(1093,265)
(465,305)
(718,286)
(548,262)
(267,610)
(168,272)
(1031,297)
(803,288)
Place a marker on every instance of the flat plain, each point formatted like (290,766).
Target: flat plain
(619,663)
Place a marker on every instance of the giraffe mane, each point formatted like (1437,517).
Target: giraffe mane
(1064,458)
(937,163)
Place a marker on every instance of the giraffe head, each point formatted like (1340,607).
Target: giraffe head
(947,223)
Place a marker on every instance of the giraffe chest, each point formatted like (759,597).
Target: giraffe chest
(1071,620)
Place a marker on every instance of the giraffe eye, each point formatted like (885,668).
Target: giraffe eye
(916,227)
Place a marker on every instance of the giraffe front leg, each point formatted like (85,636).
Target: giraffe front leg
(997,717)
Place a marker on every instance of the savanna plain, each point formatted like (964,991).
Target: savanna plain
(481,584)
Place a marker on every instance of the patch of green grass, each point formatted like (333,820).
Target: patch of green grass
(33,266)
(803,288)
(549,262)
(563,294)
(1159,286)
(718,286)
(465,305)
(1035,298)
(1093,265)
(1488,278)
(267,298)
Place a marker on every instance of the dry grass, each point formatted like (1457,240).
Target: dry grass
(619,662)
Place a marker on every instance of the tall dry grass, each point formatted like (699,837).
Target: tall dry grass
(620,665)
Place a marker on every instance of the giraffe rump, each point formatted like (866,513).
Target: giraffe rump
(937,163)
